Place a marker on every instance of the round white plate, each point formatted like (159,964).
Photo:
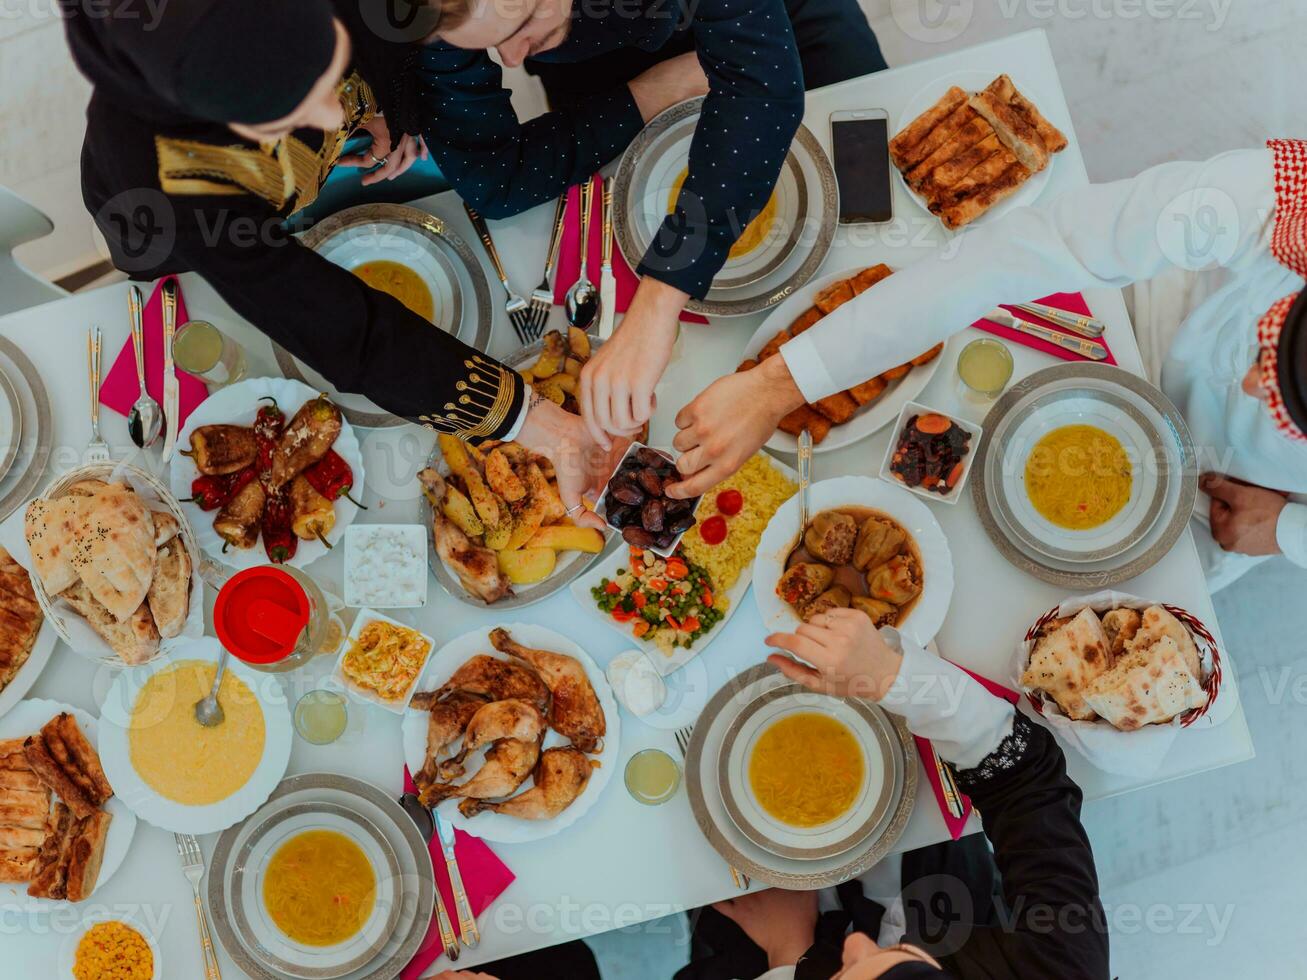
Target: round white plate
(497,826)
(254,922)
(237,405)
(853,826)
(870,419)
(22,681)
(1148,486)
(974,81)
(27,718)
(11,423)
(68,951)
(925,618)
(180,818)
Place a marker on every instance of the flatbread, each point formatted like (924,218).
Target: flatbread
(1146,687)
(115,553)
(1012,127)
(971,208)
(967,135)
(1121,625)
(169,594)
(52,529)
(1157,623)
(925,134)
(1067,660)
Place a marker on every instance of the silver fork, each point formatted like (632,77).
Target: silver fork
(97,450)
(542,300)
(683,740)
(188,849)
(519,313)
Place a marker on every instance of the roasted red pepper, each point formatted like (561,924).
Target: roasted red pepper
(269,424)
(279,540)
(213,492)
(332,477)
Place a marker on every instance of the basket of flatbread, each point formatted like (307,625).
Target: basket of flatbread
(1119,676)
(113,564)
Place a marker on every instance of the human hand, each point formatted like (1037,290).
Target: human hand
(617,383)
(728,422)
(1243,516)
(580,464)
(848,656)
(667,83)
(781,922)
(393,161)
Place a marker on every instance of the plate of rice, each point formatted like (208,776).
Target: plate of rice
(720,547)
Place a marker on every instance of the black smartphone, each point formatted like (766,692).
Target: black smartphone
(860,140)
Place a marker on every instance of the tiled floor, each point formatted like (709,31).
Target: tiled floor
(1202,878)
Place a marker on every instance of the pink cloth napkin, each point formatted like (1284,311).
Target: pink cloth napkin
(484,876)
(120,389)
(956,825)
(1071,302)
(569,255)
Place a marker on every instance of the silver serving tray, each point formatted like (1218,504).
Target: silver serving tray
(19,484)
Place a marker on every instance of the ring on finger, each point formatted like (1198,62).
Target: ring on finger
(380,162)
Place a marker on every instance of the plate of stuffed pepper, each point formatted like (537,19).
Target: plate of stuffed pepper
(269,471)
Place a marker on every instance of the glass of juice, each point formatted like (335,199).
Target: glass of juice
(984,369)
(201,349)
(321,716)
(652,777)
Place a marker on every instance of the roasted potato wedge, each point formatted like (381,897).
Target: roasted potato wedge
(562,537)
(527,565)
(486,501)
(579,343)
(527,522)
(573,367)
(459,509)
(456,454)
(565,382)
(497,536)
(501,478)
(550,389)
(551,357)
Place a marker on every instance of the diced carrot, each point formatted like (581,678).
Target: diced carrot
(612,588)
(639,600)
(690,624)
(658,584)
(706,597)
(933,424)
(955,474)
(622,616)
(640,628)
(671,621)
(676,568)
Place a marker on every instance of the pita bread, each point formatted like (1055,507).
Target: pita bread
(1121,625)
(52,528)
(135,641)
(1146,687)
(1067,660)
(169,595)
(1157,623)
(115,553)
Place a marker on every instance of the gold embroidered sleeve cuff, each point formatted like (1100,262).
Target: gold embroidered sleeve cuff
(486,403)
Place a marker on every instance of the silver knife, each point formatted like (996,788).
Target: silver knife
(1091,349)
(170,385)
(425,819)
(607,284)
(467,923)
(1086,326)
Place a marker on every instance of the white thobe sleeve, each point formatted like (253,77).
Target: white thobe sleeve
(1291,533)
(1191,215)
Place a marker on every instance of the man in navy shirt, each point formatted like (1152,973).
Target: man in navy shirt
(609,66)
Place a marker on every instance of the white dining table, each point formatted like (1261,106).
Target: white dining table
(623,863)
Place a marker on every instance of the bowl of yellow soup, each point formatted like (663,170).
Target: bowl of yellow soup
(317,890)
(805,775)
(175,773)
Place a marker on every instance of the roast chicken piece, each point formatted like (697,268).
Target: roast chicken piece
(477,567)
(879,540)
(830,537)
(575,712)
(508,763)
(447,721)
(804,581)
(493,679)
(560,778)
(837,596)
(499,719)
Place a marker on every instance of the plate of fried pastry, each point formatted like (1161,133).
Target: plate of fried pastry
(26,638)
(63,832)
(846,416)
(974,145)
(513,733)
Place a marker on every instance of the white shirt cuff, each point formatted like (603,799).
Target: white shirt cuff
(807,368)
(1291,533)
(511,434)
(943,703)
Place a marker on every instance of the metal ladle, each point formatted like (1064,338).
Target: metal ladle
(145,421)
(582,301)
(208,712)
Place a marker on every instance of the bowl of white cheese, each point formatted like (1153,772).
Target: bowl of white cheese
(386,566)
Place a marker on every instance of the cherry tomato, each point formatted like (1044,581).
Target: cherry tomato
(713,530)
(730,502)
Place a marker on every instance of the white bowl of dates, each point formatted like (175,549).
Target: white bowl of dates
(931,453)
(633,502)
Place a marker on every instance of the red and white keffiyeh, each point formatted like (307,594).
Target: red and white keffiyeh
(1289,246)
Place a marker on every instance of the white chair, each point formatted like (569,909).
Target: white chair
(20,222)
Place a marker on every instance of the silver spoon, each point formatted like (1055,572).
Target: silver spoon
(208,712)
(145,421)
(582,301)
(805,480)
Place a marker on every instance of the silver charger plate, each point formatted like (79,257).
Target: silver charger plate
(27,470)
(882,775)
(11,424)
(807,197)
(523,595)
(742,854)
(449,268)
(418,877)
(1151,547)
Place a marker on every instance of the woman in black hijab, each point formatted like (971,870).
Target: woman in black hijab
(211,124)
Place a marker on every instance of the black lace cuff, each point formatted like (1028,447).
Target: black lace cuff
(1011,754)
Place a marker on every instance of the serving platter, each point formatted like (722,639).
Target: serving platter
(870,419)
(422,242)
(870,808)
(366,801)
(147,802)
(1172,448)
(11,423)
(787,257)
(27,718)
(706,802)
(497,826)
(22,681)
(37,436)
(926,615)
(237,405)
